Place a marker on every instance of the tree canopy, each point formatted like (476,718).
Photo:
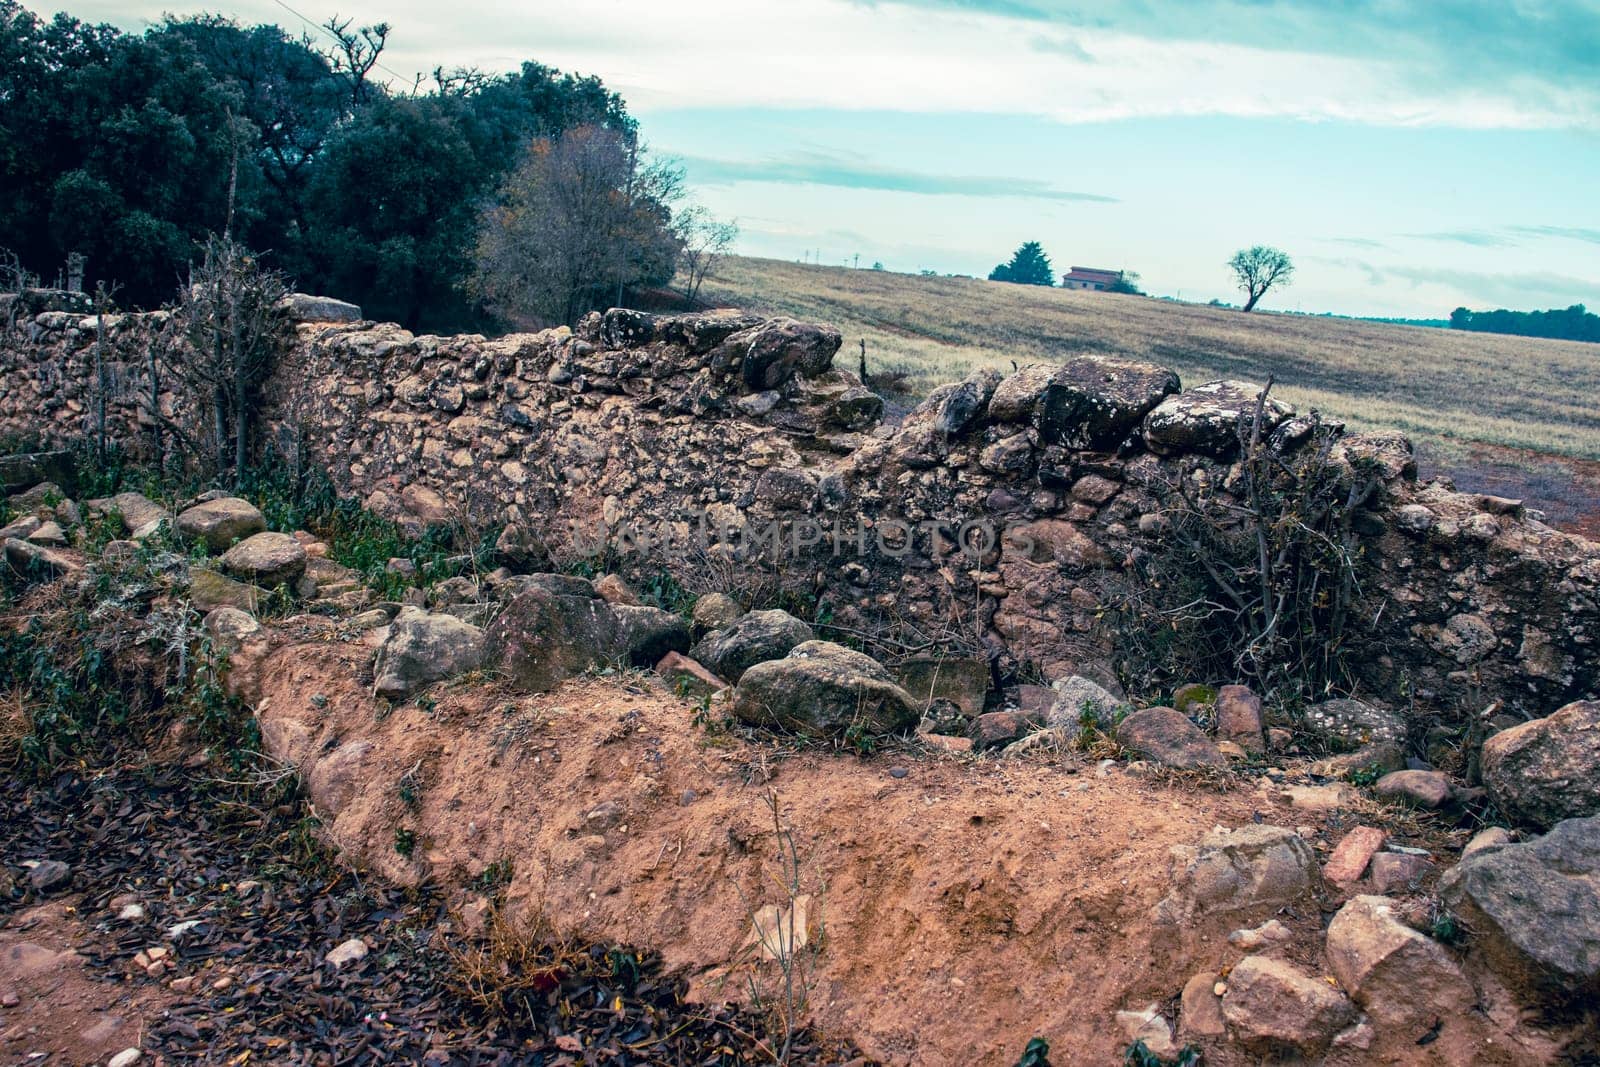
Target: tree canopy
(125,148)
(1028,266)
(1575,323)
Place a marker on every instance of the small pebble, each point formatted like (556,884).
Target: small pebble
(898,772)
(126,1058)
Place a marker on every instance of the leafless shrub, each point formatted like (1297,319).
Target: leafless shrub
(1257,579)
(233,320)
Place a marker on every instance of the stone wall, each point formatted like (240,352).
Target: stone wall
(675,426)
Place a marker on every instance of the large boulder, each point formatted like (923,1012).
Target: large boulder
(752,638)
(824,690)
(423,648)
(1207,419)
(1401,977)
(1273,1008)
(783,348)
(1168,738)
(542,638)
(1236,873)
(33,561)
(219,523)
(1547,770)
(1096,401)
(1348,723)
(266,559)
(304,307)
(1534,909)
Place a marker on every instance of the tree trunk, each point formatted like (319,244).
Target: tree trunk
(1250,304)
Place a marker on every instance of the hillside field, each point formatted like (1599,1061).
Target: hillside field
(1498,413)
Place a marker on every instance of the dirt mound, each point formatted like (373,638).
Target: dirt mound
(966,904)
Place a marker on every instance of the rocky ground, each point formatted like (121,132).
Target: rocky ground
(897,854)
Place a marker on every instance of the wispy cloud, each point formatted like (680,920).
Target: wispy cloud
(1575,233)
(1526,289)
(1356,242)
(819,168)
(1476,238)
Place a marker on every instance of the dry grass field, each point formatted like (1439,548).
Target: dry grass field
(1511,414)
(1444,385)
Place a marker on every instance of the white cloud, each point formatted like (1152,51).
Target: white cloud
(891,56)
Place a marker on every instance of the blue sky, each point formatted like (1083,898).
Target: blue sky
(1411,157)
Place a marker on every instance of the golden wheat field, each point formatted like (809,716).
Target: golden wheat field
(1447,389)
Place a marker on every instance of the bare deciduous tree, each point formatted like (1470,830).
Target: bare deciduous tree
(706,240)
(357,53)
(1257,269)
(578,221)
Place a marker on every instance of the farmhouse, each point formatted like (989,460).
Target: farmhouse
(1089,278)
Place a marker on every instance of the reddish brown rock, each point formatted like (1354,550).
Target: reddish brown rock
(1350,857)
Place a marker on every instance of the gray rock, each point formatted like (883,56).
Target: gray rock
(1097,401)
(784,347)
(49,534)
(219,523)
(139,516)
(964,681)
(963,406)
(1534,908)
(823,690)
(423,648)
(752,638)
(33,562)
(1236,873)
(1353,723)
(713,611)
(543,638)
(1076,696)
(1168,738)
(642,635)
(21,528)
(1207,419)
(1547,770)
(49,875)
(266,559)
(1273,1008)
(303,307)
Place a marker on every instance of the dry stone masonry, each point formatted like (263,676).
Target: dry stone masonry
(632,429)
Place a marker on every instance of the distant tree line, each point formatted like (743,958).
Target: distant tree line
(1575,323)
(135,150)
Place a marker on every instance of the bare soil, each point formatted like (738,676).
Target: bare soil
(54,1009)
(967,904)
